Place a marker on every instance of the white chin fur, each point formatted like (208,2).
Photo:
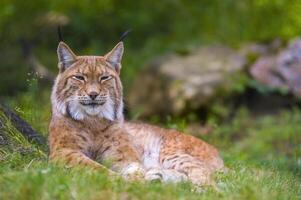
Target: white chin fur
(79,112)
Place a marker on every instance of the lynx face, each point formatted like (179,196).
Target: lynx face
(88,86)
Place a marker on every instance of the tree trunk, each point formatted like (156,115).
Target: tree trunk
(23,127)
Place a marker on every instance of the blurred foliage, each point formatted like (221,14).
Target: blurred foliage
(93,27)
(269,140)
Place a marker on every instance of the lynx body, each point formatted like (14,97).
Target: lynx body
(88,129)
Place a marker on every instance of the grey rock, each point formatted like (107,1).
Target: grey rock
(175,83)
(282,70)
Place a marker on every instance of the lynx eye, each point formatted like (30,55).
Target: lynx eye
(79,77)
(104,78)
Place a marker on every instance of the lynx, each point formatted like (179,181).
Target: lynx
(88,128)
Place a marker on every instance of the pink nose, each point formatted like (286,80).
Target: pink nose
(93,95)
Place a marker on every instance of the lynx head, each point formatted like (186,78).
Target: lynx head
(88,86)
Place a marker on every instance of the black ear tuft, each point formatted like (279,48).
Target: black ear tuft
(124,35)
(59,33)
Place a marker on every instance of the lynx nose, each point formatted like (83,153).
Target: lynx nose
(93,95)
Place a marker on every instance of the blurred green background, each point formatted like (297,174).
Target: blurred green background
(93,27)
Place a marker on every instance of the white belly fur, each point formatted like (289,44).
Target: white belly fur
(151,152)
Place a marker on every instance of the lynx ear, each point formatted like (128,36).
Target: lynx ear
(65,55)
(115,55)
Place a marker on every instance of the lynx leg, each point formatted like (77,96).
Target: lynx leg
(72,158)
(196,171)
(123,157)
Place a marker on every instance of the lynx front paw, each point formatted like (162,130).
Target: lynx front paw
(165,175)
(154,174)
(174,176)
(133,171)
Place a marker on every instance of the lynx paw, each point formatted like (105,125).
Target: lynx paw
(133,171)
(165,175)
(174,176)
(154,174)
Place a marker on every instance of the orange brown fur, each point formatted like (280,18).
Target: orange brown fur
(87,127)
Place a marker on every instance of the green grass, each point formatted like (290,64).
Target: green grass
(263,156)
(42,181)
